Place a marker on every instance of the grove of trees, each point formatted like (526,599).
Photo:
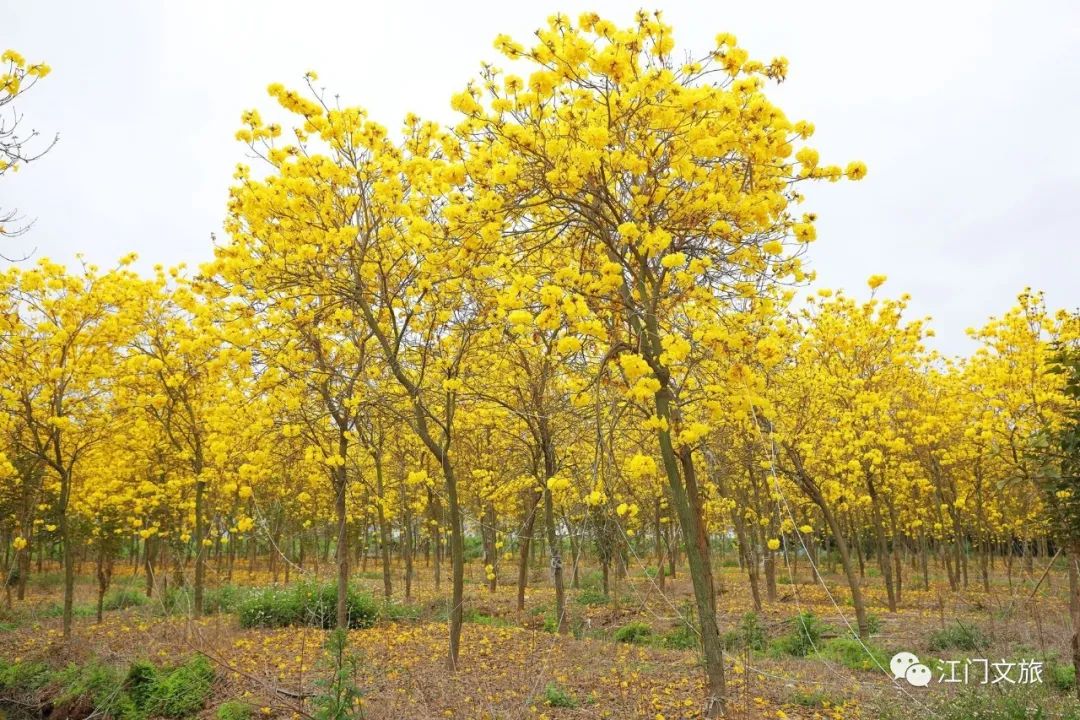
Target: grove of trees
(572,319)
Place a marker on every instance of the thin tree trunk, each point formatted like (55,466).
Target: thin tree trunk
(533,499)
(342,549)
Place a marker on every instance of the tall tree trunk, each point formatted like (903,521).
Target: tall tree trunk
(554,544)
(198,464)
(490,551)
(525,539)
(102,582)
(659,527)
(682,481)
(457,560)
(341,552)
(814,493)
(148,564)
(556,562)
(884,561)
(384,526)
(68,552)
(1074,609)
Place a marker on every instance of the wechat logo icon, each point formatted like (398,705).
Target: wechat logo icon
(907,666)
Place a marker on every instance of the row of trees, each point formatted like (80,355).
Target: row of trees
(571,309)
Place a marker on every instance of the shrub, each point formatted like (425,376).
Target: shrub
(474,547)
(98,689)
(1062,676)
(682,637)
(182,691)
(592,597)
(234,710)
(339,695)
(804,637)
(958,637)
(635,633)
(123,598)
(96,686)
(270,607)
(224,599)
(748,634)
(536,610)
(305,604)
(397,612)
(853,654)
(172,600)
(141,680)
(1019,702)
(555,696)
(23,676)
(591,580)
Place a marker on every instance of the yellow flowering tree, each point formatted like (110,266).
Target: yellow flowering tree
(17,77)
(669,180)
(60,328)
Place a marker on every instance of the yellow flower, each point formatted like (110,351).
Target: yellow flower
(568,344)
(856,170)
(774,544)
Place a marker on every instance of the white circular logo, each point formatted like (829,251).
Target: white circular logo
(900,663)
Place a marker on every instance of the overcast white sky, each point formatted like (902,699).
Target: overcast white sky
(967,114)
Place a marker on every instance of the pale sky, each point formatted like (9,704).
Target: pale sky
(967,114)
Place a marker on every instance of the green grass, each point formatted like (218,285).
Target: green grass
(850,653)
(234,710)
(475,616)
(1061,676)
(399,612)
(1013,703)
(749,633)
(305,604)
(635,633)
(592,597)
(222,599)
(958,637)
(555,696)
(23,676)
(682,637)
(182,691)
(143,691)
(811,698)
(122,598)
(803,637)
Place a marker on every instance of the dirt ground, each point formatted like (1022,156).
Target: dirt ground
(509,660)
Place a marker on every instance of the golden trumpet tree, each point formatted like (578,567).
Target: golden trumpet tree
(395,241)
(833,403)
(17,77)
(669,179)
(193,387)
(60,329)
